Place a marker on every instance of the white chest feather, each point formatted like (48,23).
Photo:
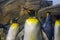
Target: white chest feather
(57,30)
(31,30)
(12,32)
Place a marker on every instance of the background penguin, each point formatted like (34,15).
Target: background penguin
(48,27)
(57,28)
(44,36)
(32,27)
(13,30)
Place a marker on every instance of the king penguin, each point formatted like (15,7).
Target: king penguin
(14,27)
(57,30)
(48,26)
(32,27)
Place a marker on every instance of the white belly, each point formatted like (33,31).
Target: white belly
(57,31)
(31,31)
(44,35)
(12,33)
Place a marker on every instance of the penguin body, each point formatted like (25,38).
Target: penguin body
(32,29)
(57,30)
(47,27)
(12,31)
(44,36)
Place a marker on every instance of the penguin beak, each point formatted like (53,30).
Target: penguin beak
(47,14)
(27,10)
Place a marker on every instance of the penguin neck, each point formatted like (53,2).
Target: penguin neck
(32,17)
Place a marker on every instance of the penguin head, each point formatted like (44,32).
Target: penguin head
(58,17)
(31,12)
(48,13)
(14,20)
